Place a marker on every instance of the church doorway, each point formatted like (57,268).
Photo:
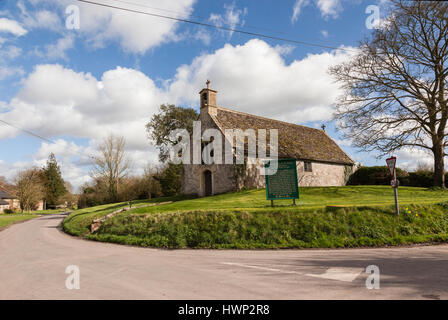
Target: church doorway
(208,183)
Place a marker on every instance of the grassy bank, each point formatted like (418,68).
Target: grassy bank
(78,223)
(8,219)
(319,228)
(245,220)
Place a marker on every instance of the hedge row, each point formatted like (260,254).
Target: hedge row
(379,175)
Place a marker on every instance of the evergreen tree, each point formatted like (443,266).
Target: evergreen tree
(54,184)
(170,179)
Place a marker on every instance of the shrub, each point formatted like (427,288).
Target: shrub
(424,179)
(377,175)
(170,179)
(8,211)
(421,179)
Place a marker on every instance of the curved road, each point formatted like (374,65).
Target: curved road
(34,256)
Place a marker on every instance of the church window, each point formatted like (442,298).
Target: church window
(307,166)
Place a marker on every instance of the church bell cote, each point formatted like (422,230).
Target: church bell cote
(208,96)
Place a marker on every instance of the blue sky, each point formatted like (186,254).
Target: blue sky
(75,86)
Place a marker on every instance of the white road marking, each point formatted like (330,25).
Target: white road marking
(260,268)
(340,274)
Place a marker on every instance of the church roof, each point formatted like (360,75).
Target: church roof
(294,141)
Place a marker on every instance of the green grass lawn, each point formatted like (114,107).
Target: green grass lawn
(8,219)
(246,220)
(310,198)
(50,211)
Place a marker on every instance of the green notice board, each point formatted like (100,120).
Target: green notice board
(283,184)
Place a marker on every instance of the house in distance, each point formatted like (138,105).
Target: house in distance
(319,159)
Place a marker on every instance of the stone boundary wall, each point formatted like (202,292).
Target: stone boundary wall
(96,224)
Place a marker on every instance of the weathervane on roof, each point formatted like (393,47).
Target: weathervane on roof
(208,84)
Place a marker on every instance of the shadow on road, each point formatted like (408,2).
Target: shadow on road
(426,275)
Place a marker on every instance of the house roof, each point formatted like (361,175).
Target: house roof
(294,141)
(6,195)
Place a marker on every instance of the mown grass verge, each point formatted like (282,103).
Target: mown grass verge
(8,219)
(279,228)
(50,211)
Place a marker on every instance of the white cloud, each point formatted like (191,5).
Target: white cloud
(58,101)
(6,72)
(284,50)
(54,84)
(203,36)
(328,8)
(58,50)
(231,18)
(411,158)
(297,9)
(39,19)
(10,53)
(136,33)
(11,26)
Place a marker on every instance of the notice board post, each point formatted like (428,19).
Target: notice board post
(283,184)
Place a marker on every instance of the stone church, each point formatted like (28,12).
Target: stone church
(319,160)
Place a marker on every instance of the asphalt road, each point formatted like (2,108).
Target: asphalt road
(34,256)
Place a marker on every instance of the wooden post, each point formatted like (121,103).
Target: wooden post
(272,203)
(294,202)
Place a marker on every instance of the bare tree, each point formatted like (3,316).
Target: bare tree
(112,164)
(396,86)
(29,188)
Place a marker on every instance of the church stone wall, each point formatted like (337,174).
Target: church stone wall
(322,175)
(223,179)
(228,178)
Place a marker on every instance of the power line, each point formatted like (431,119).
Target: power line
(208,25)
(199,17)
(39,137)
(27,132)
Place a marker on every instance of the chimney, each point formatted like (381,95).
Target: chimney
(208,99)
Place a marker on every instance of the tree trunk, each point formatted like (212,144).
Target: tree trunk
(439,166)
